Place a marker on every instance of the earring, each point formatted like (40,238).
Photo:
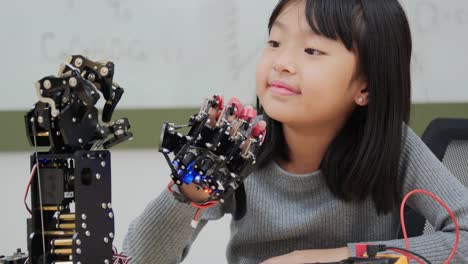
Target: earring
(360,100)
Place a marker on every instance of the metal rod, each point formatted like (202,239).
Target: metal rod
(62,251)
(67,217)
(67,226)
(62,242)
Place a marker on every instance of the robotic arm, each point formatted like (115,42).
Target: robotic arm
(71,211)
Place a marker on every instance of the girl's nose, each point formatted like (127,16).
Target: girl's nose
(285,65)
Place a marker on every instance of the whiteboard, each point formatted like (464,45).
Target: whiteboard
(175,53)
(440,42)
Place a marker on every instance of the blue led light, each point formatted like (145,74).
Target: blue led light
(188,178)
(189,174)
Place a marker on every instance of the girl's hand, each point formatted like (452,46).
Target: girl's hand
(311,256)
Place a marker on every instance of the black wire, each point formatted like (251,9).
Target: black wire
(412,253)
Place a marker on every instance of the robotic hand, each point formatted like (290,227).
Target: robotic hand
(218,152)
(65,117)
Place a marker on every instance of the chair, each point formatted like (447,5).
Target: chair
(447,138)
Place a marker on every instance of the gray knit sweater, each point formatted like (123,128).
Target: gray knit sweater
(288,212)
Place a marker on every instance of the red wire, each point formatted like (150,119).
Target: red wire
(454,219)
(200,207)
(169,186)
(33,171)
(408,255)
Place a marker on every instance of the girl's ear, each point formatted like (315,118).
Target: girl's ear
(362,96)
(361,91)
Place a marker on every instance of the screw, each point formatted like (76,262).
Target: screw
(98,176)
(83,216)
(78,242)
(73,82)
(111,215)
(103,163)
(78,62)
(87,233)
(47,84)
(104,71)
(104,206)
(78,251)
(83,225)
(106,240)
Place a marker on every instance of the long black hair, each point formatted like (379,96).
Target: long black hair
(363,159)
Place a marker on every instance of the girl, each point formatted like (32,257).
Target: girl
(334,86)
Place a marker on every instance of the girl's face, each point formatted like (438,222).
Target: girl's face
(305,79)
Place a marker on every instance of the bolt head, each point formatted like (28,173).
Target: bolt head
(78,62)
(47,84)
(73,82)
(104,71)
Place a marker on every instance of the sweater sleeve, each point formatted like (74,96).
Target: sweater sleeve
(162,233)
(422,170)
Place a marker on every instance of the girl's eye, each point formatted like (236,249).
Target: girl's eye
(311,51)
(273,43)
